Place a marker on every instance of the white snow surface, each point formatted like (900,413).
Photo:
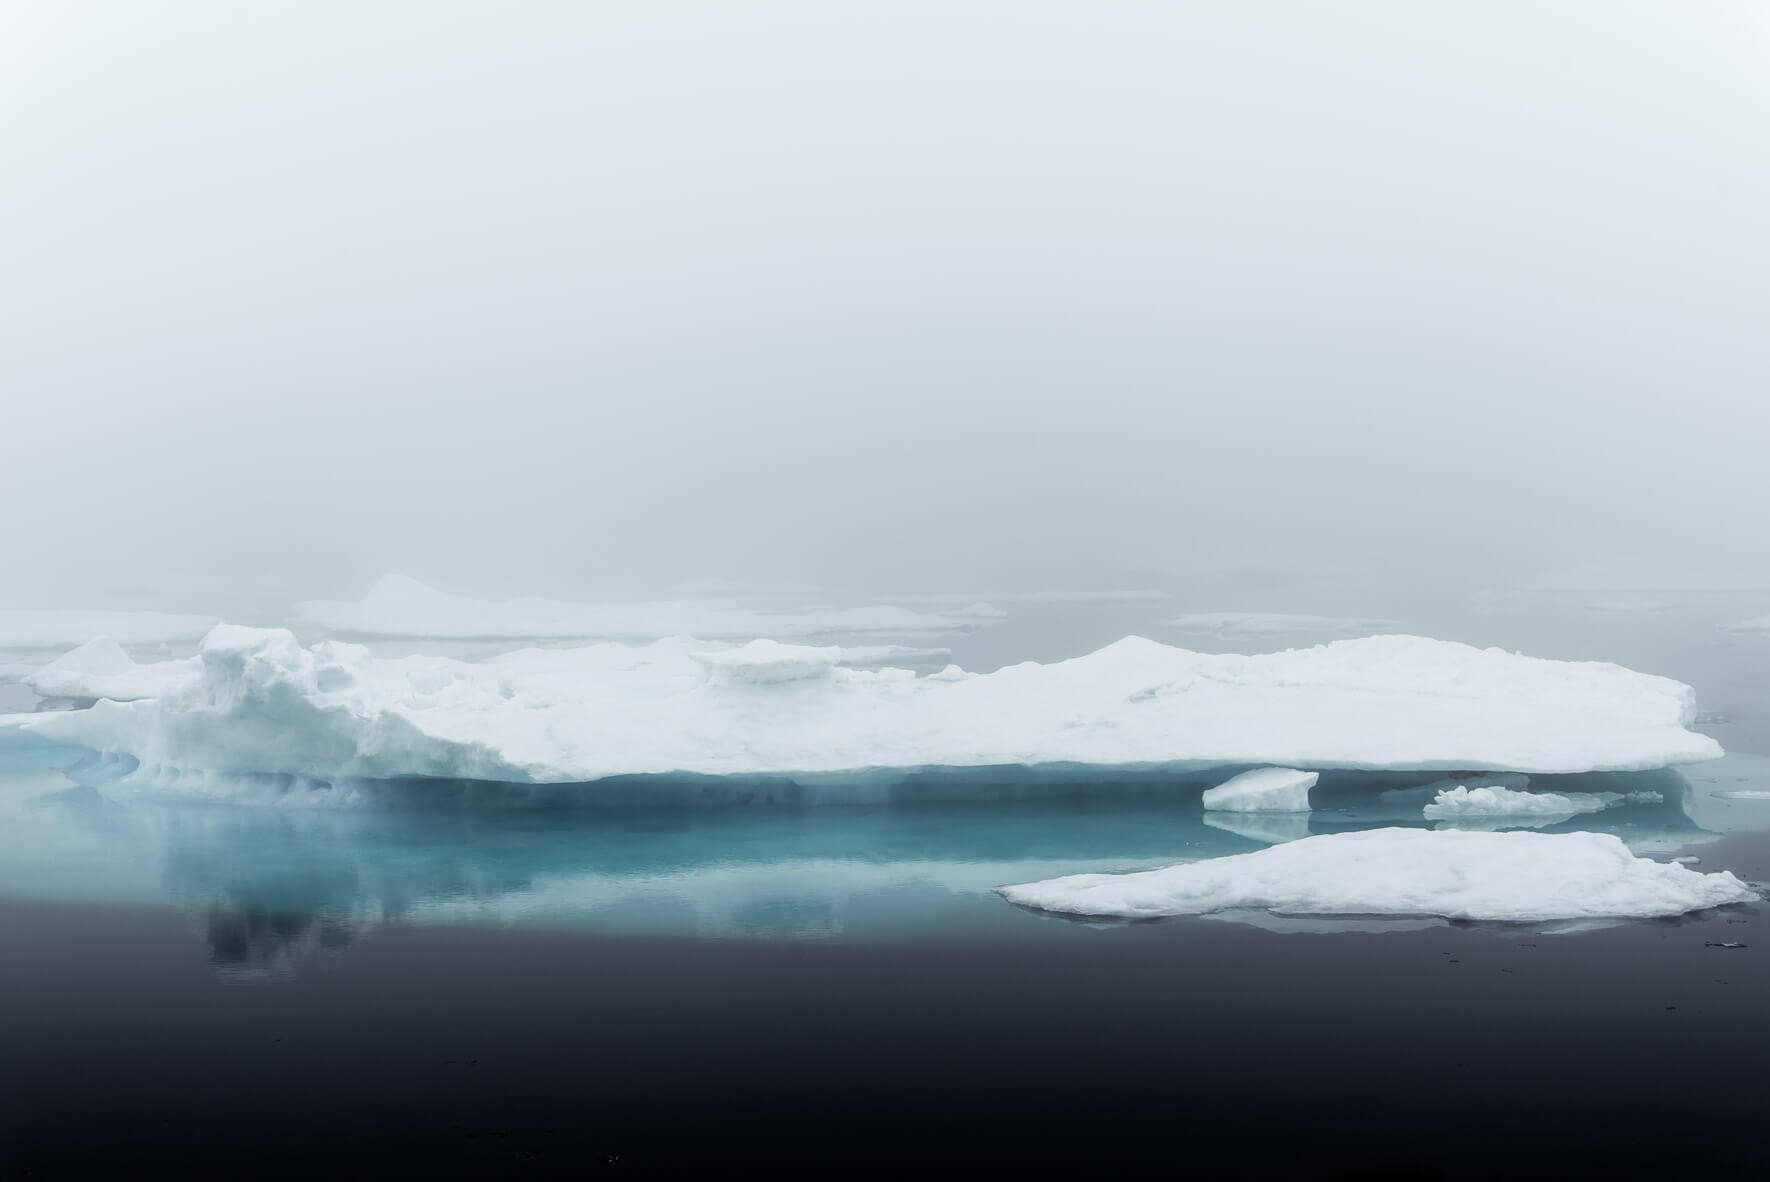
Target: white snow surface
(401,606)
(57,628)
(1518,877)
(1263,790)
(263,702)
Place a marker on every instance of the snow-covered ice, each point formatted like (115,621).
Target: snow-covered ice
(1263,790)
(1519,877)
(262,702)
(400,606)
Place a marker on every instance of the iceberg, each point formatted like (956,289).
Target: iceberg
(1455,874)
(262,702)
(404,607)
(1263,790)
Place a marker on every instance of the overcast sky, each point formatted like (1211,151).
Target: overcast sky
(579,296)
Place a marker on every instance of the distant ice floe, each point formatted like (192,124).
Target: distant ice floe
(262,703)
(58,628)
(101,669)
(1426,793)
(1755,624)
(1494,801)
(404,607)
(1274,623)
(1263,790)
(1517,877)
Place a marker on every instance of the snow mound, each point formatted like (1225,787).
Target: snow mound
(1518,877)
(101,669)
(400,606)
(1263,790)
(258,701)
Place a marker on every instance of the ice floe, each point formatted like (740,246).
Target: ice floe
(1456,874)
(400,606)
(1458,802)
(1263,790)
(261,702)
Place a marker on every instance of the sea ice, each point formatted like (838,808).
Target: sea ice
(400,606)
(1520,877)
(261,702)
(1263,790)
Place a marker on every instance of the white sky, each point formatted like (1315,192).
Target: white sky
(565,297)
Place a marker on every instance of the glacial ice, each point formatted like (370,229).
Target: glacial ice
(1456,874)
(401,606)
(261,702)
(1263,790)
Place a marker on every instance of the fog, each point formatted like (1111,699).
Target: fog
(581,298)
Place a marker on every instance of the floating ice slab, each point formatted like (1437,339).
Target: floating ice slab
(1520,877)
(399,606)
(264,703)
(1263,790)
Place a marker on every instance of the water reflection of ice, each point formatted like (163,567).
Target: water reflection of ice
(273,886)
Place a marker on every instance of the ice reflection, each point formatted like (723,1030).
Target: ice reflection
(274,886)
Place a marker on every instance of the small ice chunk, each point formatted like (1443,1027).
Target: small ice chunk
(1426,793)
(101,669)
(1517,877)
(1263,790)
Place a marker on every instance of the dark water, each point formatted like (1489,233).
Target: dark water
(1215,1049)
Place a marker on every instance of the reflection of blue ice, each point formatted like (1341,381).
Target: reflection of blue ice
(278,883)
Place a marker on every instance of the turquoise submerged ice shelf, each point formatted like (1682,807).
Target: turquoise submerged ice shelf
(275,883)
